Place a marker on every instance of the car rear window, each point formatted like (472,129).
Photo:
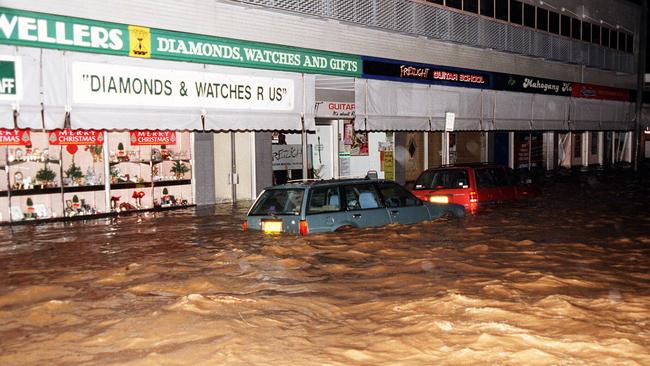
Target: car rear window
(324,199)
(443,179)
(279,202)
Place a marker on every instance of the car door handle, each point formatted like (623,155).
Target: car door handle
(356,216)
(394,212)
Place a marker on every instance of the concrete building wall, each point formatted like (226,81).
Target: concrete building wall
(230,19)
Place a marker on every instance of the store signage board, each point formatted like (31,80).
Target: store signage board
(528,84)
(32,29)
(10,78)
(288,157)
(98,83)
(15,137)
(450,121)
(336,110)
(146,137)
(76,137)
(384,69)
(600,92)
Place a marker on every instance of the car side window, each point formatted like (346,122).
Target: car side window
(396,196)
(513,177)
(361,197)
(324,199)
(484,178)
(425,180)
(499,175)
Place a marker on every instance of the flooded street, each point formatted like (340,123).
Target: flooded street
(561,280)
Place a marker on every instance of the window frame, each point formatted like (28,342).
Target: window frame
(576,29)
(507,9)
(530,16)
(551,15)
(481,2)
(540,20)
(562,22)
(311,192)
(511,12)
(416,200)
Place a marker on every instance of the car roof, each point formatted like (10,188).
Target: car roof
(468,165)
(307,183)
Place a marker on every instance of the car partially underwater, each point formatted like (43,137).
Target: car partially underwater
(320,206)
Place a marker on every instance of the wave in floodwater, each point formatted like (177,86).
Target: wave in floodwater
(563,279)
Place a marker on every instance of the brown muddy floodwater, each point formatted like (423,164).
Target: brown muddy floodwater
(561,280)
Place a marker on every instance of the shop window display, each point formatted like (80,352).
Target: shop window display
(142,163)
(83,171)
(34,178)
(64,173)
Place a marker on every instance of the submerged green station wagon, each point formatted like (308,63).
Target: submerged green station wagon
(330,205)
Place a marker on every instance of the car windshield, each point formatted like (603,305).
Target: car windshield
(442,179)
(279,202)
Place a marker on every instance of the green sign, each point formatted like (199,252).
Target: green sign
(8,82)
(178,46)
(24,28)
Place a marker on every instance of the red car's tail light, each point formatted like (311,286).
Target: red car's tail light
(244,226)
(473,197)
(304,228)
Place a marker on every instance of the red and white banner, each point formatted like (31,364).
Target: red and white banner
(335,109)
(599,92)
(76,137)
(152,138)
(15,137)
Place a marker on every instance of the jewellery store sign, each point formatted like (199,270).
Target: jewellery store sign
(32,29)
(105,84)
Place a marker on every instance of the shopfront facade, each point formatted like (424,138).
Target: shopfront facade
(99,118)
(104,117)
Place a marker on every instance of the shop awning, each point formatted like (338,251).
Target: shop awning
(595,114)
(108,92)
(392,106)
(21,67)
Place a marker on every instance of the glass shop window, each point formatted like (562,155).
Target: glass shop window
(586,32)
(542,19)
(565,26)
(470,6)
(457,4)
(487,8)
(501,8)
(575,28)
(516,12)
(529,15)
(554,22)
(595,34)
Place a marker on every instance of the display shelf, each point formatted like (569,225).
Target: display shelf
(35,191)
(130,161)
(171,160)
(93,188)
(168,183)
(130,185)
(19,162)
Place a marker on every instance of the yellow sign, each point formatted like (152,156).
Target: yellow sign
(139,41)
(389,165)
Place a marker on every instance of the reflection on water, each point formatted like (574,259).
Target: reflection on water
(563,279)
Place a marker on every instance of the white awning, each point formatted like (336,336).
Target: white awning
(392,106)
(109,92)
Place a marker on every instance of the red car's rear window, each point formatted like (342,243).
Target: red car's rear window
(443,179)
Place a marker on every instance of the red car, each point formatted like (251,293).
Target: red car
(471,184)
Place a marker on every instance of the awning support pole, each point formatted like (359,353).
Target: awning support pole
(304,147)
